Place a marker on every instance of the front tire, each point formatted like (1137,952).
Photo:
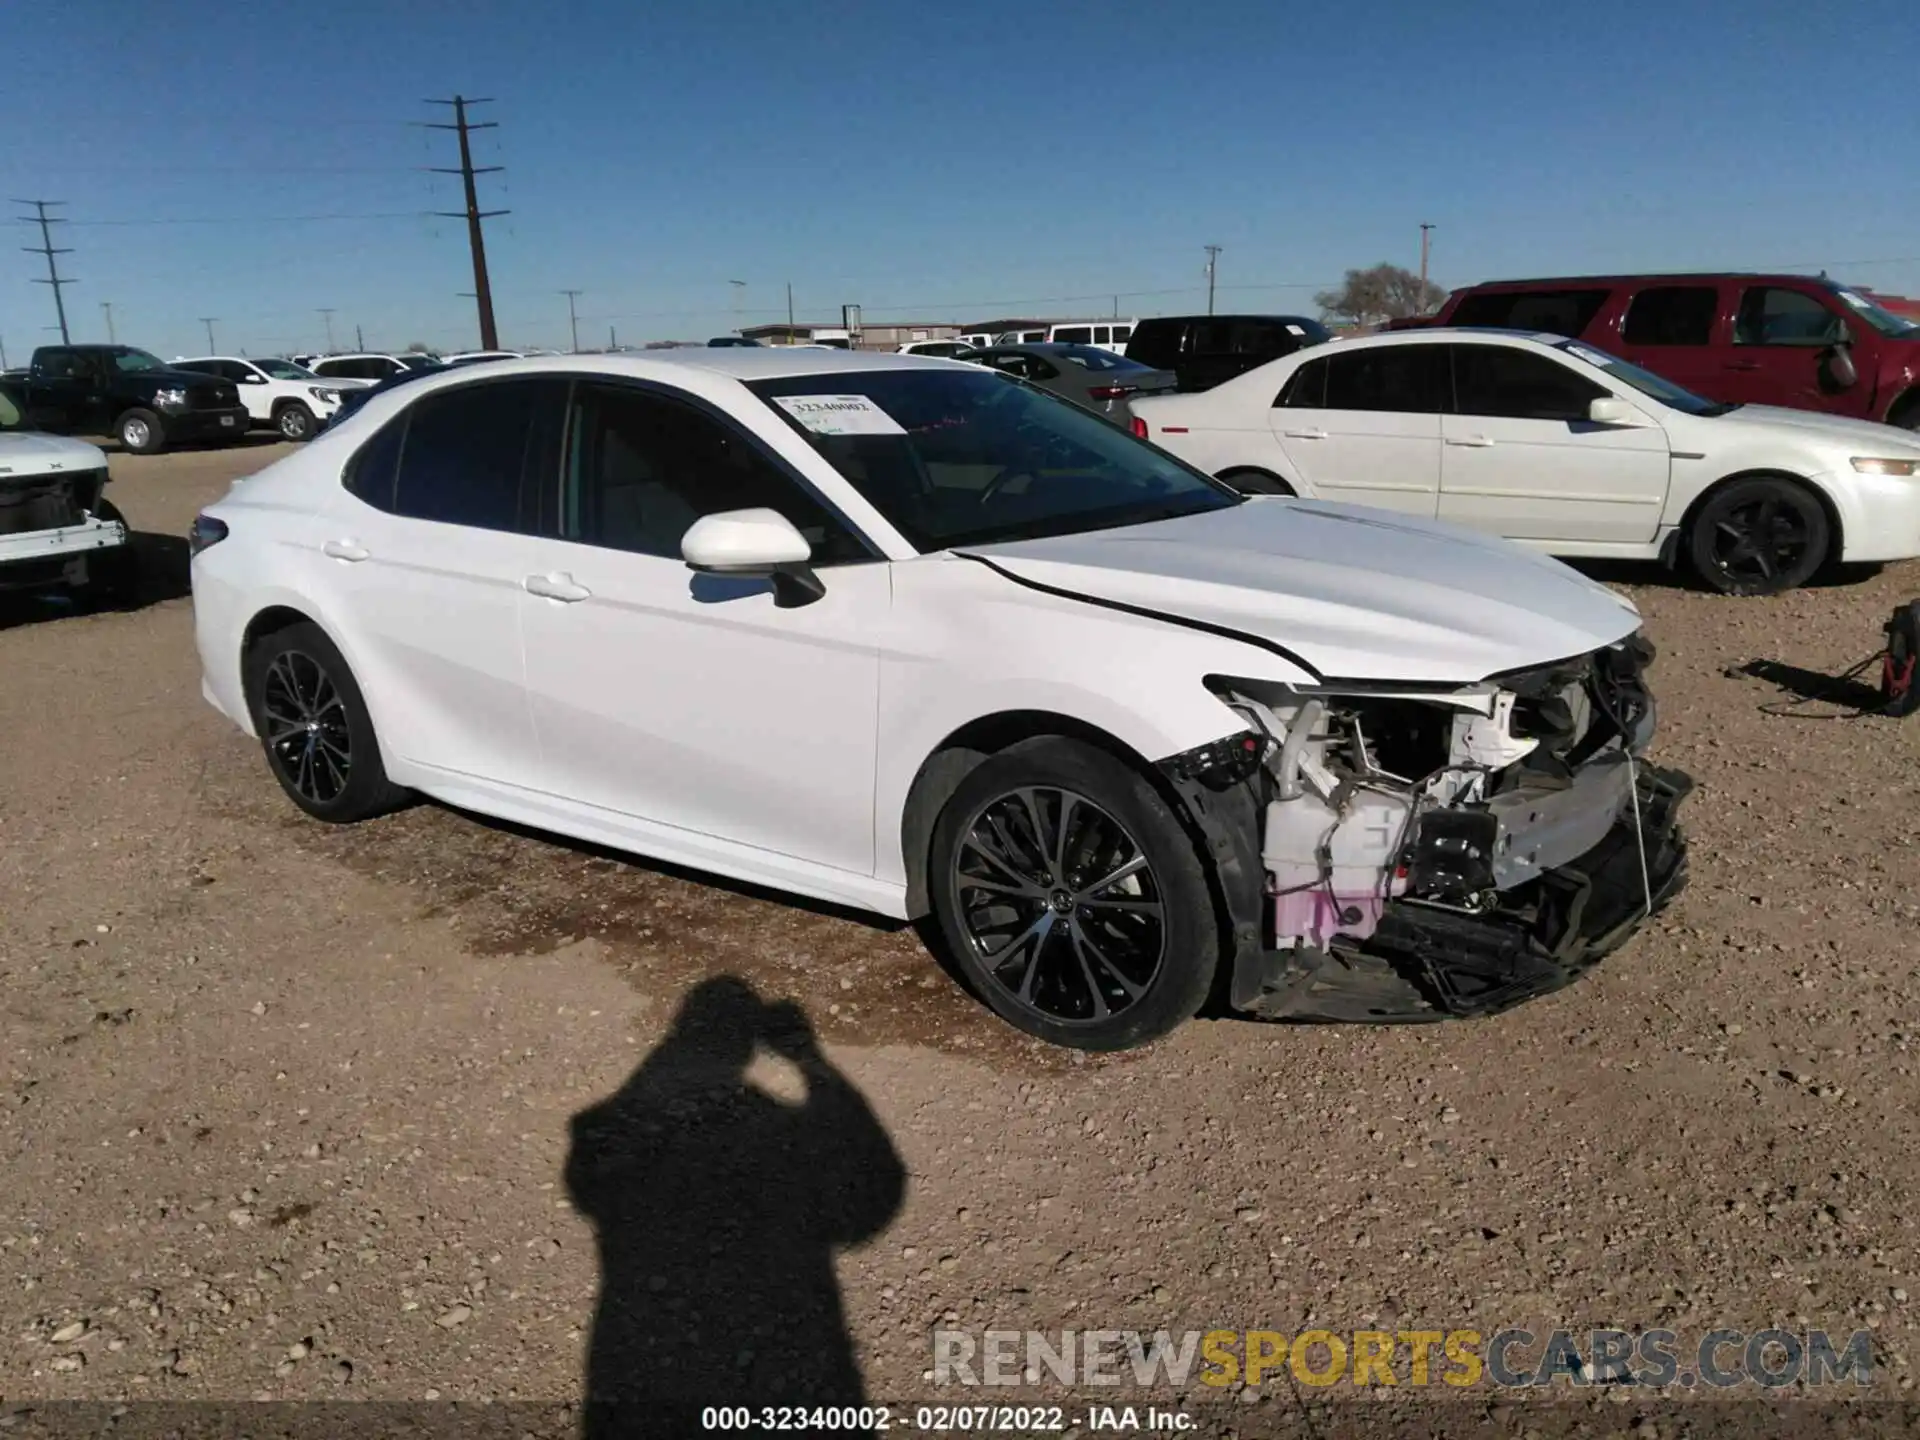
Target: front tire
(314,725)
(1759,537)
(140,432)
(295,421)
(1071,898)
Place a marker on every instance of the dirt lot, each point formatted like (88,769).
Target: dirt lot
(299,1113)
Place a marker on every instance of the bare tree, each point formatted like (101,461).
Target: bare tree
(1383,293)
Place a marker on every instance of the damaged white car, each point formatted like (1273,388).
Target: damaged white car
(57,531)
(914,637)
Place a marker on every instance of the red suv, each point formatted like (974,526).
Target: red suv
(1811,344)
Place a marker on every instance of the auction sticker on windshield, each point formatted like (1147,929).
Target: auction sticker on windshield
(1592,357)
(839,414)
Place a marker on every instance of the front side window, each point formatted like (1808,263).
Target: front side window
(642,467)
(957,458)
(1775,315)
(465,451)
(1672,315)
(133,362)
(1501,380)
(281,370)
(1408,379)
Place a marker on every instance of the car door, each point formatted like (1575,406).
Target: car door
(1521,458)
(254,390)
(694,700)
(1783,339)
(422,555)
(1677,331)
(1362,425)
(67,394)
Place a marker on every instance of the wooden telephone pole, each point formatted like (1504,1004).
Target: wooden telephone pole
(473,214)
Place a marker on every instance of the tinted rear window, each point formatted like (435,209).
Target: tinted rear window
(1558,312)
(1155,342)
(1672,315)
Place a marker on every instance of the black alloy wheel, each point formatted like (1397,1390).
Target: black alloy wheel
(307,732)
(1072,899)
(1760,537)
(314,724)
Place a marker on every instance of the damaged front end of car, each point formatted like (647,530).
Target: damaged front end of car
(1391,853)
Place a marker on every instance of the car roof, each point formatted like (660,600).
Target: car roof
(740,362)
(1661,277)
(1429,335)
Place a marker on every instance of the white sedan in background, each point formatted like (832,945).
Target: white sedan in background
(1562,447)
(278,393)
(909,635)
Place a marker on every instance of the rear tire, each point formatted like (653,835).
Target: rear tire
(139,432)
(1257,482)
(1759,537)
(1022,878)
(314,725)
(295,421)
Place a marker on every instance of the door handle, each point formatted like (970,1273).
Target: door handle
(345,550)
(558,586)
(1743,365)
(1475,442)
(1305,434)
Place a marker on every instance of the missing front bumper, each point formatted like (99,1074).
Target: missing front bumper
(1426,962)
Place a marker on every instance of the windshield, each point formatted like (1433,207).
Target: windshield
(1883,320)
(1653,386)
(283,370)
(1091,357)
(966,457)
(134,361)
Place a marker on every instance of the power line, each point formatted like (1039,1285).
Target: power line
(47,248)
(247,219)
(489,337)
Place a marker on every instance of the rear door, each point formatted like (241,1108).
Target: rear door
(1522,460)
(1783,339)
(1678,331)
(425,550)
(1363,425)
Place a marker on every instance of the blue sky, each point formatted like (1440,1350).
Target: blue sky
(956,161)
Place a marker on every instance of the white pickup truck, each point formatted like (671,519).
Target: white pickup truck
(56,529)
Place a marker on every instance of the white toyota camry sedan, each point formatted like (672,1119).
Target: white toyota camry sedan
(1562,447)
(915,637)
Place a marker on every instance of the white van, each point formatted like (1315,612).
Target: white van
(1102,334)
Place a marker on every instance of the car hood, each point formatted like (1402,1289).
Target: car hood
(25,453)
(1810,423)
(1354,592)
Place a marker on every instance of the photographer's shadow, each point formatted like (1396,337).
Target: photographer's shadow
(718,1208)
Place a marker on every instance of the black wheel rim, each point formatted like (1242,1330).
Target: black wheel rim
(306,725)
(1762,541)
(1059,905)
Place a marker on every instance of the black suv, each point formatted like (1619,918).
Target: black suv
(1204,350)
(129,394)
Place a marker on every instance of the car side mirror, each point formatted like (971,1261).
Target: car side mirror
(1612,410)
(1841,371)
(759,543)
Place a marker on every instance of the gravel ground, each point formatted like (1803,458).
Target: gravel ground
(402,1113)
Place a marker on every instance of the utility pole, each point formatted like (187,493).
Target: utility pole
(207,321)
(573,320)
(789,307)
(358,342)
(1426,230)
(613,344)
(47,248)
(326,313)
(106,308)
(1213,257)
(739,295)
(473,214)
